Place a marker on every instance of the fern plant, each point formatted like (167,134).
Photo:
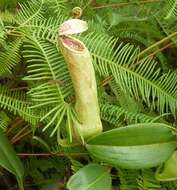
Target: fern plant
(136,84)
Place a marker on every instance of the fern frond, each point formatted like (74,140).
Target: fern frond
(47,29)
(46,65)
(48,97)
(114,114)
(171,9)
(2,37)
(96,27)
(168,27)
(147,181)
(10,57)
(144,33)
(76,165)
(124,99)
(44,29)
(2,33)
(133,36)
(66,150)
(7,17)
(4,120)
(171,185)
(140,77)
(57,5)
(128,179)
(29,11)
(17,103)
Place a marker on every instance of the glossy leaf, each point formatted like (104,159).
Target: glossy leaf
(135,146)
(91,177)
(169,171)
(9,160)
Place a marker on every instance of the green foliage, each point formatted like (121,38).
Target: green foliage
(128,179)
(4,120)
(17,103)
(139,76)
(9,160)
(168,172)
(171,9)
(7,16)
(146,180)
(10,57)
(28,12)
(131,148)
(134,179)
(92,176)
(136,84)
(113,114)
(45,64)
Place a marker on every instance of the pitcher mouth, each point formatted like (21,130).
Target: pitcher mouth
(72,43)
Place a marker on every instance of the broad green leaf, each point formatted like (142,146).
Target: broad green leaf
(91,177)
(134,146)
(169,169)
(9,160)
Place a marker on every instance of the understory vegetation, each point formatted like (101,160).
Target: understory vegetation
(133,46)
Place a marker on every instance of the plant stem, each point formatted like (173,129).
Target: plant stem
(21,136)
(106,81)
(158,43)
(49,154)
(93,2)
(18,134)
(15,123)
(152,54)
(160,50)
(117,5)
